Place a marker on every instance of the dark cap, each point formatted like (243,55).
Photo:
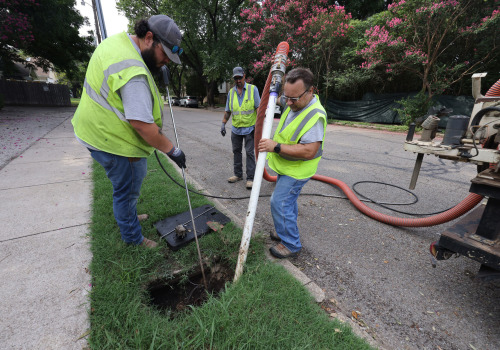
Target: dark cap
(169,34)
(238,72)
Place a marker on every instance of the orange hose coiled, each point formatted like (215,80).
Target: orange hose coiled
(460,209)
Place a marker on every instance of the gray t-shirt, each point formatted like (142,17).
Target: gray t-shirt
(314,134)
(137,98)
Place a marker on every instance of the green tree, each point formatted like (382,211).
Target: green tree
(362,9)
(210,34)
(46,30)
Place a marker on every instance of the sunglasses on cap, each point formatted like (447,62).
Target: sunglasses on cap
(175,49)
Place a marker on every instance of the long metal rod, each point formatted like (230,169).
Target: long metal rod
(187,194)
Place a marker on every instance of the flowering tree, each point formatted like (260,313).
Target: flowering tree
(314,31)
(15,28)
(436,40)
(46,31)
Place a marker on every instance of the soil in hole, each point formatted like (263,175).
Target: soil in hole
(176,295)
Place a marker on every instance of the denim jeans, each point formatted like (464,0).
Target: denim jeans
(284,209)
(126,176)
(237,142)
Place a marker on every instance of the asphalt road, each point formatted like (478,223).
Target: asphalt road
(383,273)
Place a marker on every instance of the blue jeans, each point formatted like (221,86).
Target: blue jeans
(126,176)
(285,210)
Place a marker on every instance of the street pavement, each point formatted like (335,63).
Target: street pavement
(45,197)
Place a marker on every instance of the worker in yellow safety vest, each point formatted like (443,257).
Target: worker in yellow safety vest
(242,102)
(294,153)
(119,117)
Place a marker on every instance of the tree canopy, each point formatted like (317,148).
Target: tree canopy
(46,30)
(210,34)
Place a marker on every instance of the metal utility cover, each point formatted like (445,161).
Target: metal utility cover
(202,215)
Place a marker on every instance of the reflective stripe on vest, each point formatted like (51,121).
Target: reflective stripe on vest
(297,168)
(99,119)
(244,115)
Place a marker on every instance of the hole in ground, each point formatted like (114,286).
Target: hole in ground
(175,295)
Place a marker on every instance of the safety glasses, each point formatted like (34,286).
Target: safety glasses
(294,99)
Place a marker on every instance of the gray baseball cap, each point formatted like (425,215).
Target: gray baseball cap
(169,34)
(238,72)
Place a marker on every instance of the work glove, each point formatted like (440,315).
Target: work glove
(177,156)
(223,129)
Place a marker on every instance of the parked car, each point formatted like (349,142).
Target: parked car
(176,101)
(189,101)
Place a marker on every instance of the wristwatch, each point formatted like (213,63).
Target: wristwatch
(277,148)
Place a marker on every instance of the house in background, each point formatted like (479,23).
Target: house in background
(20,71)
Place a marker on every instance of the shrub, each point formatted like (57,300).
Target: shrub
(413,107)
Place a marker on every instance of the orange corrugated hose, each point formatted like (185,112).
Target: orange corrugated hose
(460,209)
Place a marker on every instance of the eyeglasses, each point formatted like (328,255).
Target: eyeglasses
(237,78)
(294,99)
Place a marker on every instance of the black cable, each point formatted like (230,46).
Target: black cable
(383,205)
(368,200)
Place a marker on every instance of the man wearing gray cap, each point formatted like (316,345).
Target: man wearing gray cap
(242,101)
(119,117)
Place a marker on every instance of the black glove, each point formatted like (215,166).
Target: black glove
(223,129)
(177,156)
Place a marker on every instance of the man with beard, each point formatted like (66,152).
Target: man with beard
(119,117)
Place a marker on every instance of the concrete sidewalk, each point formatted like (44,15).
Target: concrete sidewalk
(45,196)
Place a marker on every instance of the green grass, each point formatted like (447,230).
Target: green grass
(266,309)
(388,127)
(75,101)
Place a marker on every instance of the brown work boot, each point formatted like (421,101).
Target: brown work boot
(149,243)
(142,217)
(282,252)
(234,179)
(249,184)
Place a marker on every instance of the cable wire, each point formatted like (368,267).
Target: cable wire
(363,199)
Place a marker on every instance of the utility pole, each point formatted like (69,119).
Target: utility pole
(101,18)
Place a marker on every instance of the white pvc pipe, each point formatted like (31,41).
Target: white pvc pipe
(257,181)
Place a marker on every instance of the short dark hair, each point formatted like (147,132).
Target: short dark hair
(141,28)
(300,73)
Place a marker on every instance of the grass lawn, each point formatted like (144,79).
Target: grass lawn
(75,101)
(266,309)
(388,127)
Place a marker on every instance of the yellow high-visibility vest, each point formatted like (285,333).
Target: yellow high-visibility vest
(244,115)
(99,119)
(290,135)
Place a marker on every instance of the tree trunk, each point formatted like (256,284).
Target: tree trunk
(211,91)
